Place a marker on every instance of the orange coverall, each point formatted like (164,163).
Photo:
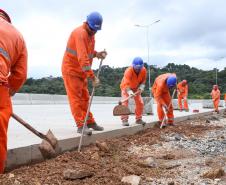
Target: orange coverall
(162,96)
(13,73)
(132,81)
(216,98)
(76,68)
(182,94)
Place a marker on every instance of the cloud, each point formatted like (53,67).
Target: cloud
(190,32)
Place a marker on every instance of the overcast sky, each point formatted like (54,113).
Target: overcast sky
(191,32)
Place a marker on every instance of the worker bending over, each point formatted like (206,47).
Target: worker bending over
(161,91)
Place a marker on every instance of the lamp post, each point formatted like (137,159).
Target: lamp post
(147,37)
(216,75)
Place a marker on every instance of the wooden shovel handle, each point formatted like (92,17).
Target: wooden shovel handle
(121,101)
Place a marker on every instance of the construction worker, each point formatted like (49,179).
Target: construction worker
(13,73)
(76,69)
(134,80)
(161,91)
(216,97)
(182,93)
(225,100)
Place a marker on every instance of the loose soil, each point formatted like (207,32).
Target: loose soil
(183,154)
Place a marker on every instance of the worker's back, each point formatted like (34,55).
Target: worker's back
(13,54)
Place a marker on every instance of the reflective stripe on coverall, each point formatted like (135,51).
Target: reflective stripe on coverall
(13,73)
(216,98)
(162,97)
(132,81)
(76,68)
(183,93)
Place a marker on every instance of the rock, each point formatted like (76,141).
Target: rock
(171,183)
(170,165)
(132,179)
(178,137)
(70,174)
(96,156)
(148,162)
(209,161)
(207,121)
(168,156)
(16,182)
(214,173)
(102,146)
(11,175)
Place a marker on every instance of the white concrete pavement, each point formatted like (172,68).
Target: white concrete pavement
(58,118)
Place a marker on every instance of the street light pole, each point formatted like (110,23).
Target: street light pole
(216,75)
(147,37)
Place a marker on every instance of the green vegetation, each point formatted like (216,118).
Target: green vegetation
(200,81)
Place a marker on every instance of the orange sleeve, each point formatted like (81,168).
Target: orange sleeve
(18,73)
(82,54)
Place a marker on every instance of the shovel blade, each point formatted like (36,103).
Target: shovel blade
(121,110)
(47,150)
(52,139)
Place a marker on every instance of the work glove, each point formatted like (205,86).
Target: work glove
(141,87)
(101,54)
(130,92)
(95,81)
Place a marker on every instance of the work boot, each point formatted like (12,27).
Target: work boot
(140,122)
(87,131)
(163,125)
(94,126)
(125,123)
(170,124)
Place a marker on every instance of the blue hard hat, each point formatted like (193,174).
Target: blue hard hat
(94,21)
(171,81)
(138,63)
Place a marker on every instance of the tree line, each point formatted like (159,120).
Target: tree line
(200,81)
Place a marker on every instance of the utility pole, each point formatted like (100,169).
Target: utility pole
(147,39)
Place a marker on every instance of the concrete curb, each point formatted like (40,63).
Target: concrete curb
(31,154)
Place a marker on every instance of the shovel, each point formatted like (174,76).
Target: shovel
(165,112)
(120,110)
(49,143)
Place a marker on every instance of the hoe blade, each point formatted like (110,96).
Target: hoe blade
(121,110)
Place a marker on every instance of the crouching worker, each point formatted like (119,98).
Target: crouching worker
(216,97)
(13,73)
(161,91)
(182,94)
(134,80)
(76,69)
